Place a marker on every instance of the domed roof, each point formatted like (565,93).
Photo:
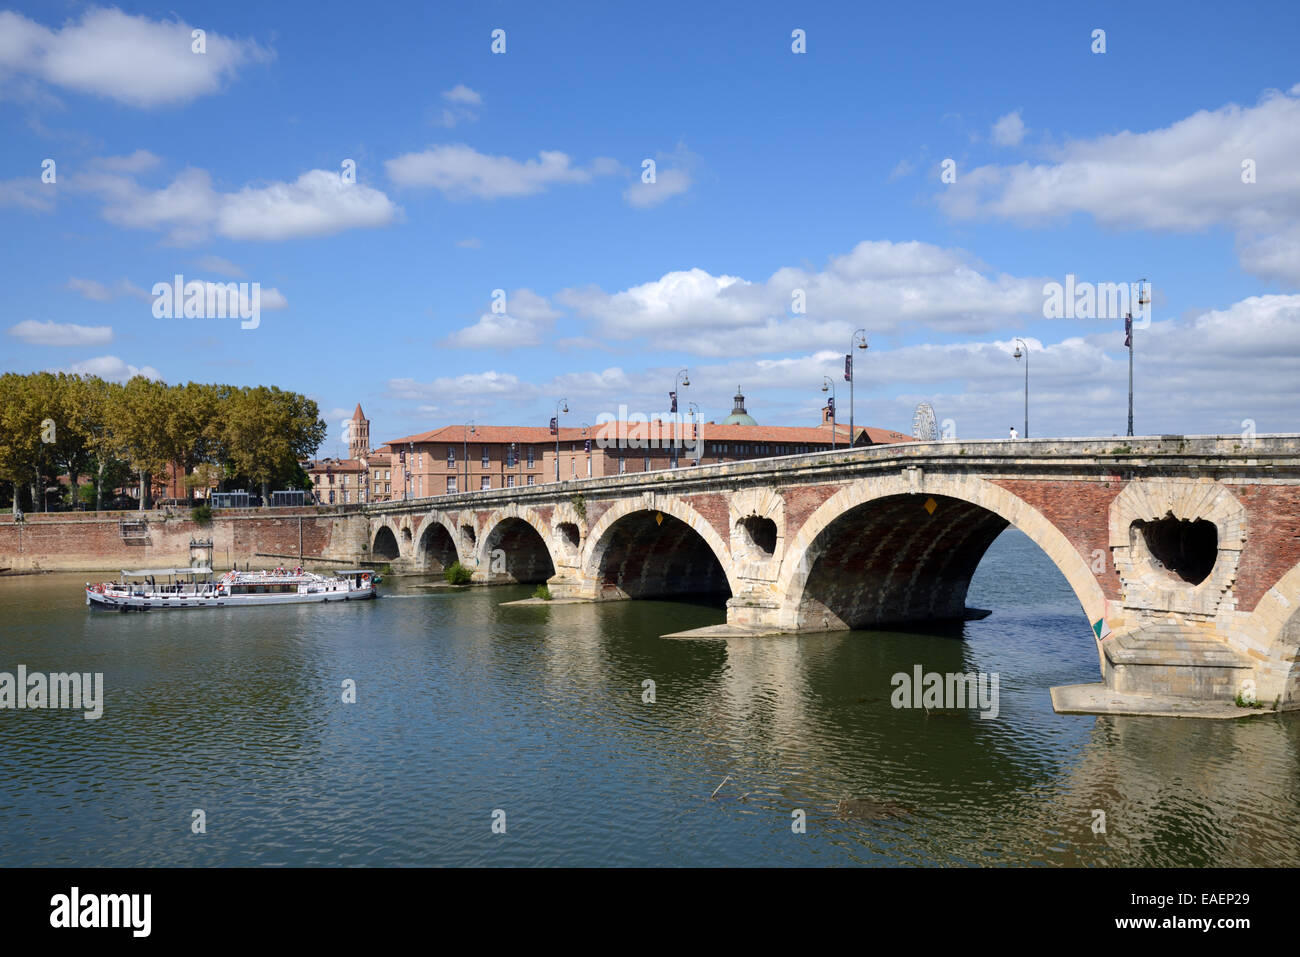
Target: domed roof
(738,414)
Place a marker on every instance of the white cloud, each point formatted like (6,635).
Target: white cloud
(528,316)
(60,334)
(468,386)
(668,183)
(493,331)
(28,192)
(1183,177)
(459,171)
(880,286)
(111,368)
(1009,130)
(133,60)
(223,267)
(461,105)
(190,210)
(473,242)
(99,292)
(462,95)
(318,203)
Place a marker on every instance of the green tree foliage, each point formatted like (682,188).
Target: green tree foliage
(52,425)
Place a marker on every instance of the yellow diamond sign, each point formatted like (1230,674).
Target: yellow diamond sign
(931,505)
(659,518)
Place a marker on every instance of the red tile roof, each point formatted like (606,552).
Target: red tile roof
(709,431)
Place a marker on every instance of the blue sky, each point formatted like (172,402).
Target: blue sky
(776,172)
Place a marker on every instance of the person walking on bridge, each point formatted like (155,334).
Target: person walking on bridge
(1013,433)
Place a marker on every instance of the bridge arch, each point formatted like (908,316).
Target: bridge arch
(640,550)
(514,546)
(1276,635)
(920,541)
(384,544)
(436,548)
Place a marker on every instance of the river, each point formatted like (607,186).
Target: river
(756,752)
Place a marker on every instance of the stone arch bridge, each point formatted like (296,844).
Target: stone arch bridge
(1183,551)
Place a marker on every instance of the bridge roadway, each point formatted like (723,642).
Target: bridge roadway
(1183,551)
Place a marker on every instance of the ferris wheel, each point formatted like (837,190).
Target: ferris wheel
(923,423)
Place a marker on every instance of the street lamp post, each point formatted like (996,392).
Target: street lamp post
(860,340)
(1143,300)
(829,386)
(683,380)
(558,410)
(469,430)
(695,430)
(1018,354)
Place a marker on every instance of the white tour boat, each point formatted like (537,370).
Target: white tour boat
(197,588)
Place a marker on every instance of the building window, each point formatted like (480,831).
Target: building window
(331,496)
(647,464)
(386,475)
(451,485)
(485,482)
(622,465)
(345,497)
(510,481)
(451,456)
(530,459)
(573,463)
(532,479)
(486,460)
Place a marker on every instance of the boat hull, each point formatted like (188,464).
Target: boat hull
(174,602)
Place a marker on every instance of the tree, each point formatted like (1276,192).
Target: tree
(136,416)
(24,405)
(269,432)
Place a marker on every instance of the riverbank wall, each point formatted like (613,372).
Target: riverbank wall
(79,541)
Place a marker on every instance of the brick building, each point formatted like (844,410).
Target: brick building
(364,476)
(457,458)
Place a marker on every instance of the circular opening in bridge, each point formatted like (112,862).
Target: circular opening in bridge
(1184,549)
(467,533)
(758,533)
(385,544)
(569,534)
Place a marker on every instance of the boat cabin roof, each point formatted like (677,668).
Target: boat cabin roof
(155,572)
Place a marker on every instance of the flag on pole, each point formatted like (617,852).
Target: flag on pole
(830,405)
(1128,331)
(848,367)
(672,397)
(555,426)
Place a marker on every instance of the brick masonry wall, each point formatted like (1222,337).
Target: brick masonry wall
(1272,539)
(1081,510)
(801,501)
(70,542)
(714,509)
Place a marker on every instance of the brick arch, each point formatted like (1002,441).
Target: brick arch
(430,520)
(393,529)
(492,531)
(808,545)
(598,539)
